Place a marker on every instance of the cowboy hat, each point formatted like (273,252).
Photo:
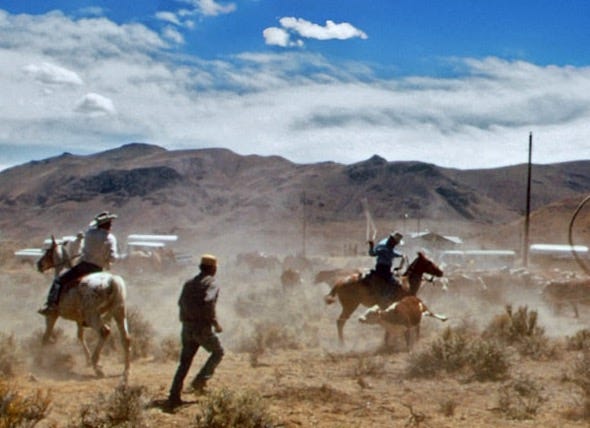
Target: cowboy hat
(102,218)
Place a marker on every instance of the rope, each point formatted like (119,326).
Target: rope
(570,235)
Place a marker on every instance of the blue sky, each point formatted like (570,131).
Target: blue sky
(455,83)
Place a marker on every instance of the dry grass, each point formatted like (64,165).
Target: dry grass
(11,358)
(225,408)
(520,398)
(125,407)
(17,410)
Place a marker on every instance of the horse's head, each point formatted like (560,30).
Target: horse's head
(47,260)
(422,265)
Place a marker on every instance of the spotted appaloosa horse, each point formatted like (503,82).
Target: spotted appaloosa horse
(355,290)
(97,297)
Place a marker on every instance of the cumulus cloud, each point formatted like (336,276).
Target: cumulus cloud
(331,30)
(295,104)
(53,74)
(302,28)
(95,104)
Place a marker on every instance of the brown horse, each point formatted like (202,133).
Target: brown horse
(355,290)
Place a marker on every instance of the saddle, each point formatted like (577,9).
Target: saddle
(383,289)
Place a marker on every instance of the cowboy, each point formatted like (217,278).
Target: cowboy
(98,252)
(385,253)
(197,303)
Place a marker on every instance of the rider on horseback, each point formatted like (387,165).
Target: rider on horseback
(385,253)
(99,250)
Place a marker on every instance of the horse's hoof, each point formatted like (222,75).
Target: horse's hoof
(99,372)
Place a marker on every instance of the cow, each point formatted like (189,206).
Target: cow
(572,292)
(406,313)
(290,278)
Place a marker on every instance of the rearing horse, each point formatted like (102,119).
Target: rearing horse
(353,290)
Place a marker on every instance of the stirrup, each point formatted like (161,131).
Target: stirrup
(48,310)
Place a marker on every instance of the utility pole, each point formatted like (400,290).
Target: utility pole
(304,227)
(525,255)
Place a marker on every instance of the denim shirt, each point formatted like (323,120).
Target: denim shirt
(384,254)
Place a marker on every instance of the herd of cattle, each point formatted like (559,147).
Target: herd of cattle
(348,286)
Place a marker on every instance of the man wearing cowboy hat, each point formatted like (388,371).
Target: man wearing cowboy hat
(197,304)
(385,253)
(98,252)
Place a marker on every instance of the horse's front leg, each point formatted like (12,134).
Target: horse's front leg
(82,341)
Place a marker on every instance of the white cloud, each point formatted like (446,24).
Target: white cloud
(331,30)
(168,17)
(212,7)
(95,104)
(53,74)
(172,34)
(296,104)
(279,37)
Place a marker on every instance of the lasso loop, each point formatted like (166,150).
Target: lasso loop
(582,264)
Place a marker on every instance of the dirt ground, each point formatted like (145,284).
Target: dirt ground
(281,345)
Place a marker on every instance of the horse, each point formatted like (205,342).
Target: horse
(258,261)
(98,296)
(355,290)
(56,256)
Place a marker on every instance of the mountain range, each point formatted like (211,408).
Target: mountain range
(215,198)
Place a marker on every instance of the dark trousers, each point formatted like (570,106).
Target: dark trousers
(193,336)
(389,283)
(78,271)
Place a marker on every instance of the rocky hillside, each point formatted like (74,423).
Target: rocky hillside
(215,193)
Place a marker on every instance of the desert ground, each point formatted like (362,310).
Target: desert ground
(285,367)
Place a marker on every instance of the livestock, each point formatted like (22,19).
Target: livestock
(406,313)
(298,262)
(141,261)
(572,292)
(290,278)
(56,257)
(258,261)
(97,296)
(357,289)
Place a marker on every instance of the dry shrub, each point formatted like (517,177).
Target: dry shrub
(268,335)
(521,330)
(448,353)
(581,378)
(457,351)
(18,411)
(125,407)
(579,341)
(169,349)
(520,398)
(10,356)
(225,408)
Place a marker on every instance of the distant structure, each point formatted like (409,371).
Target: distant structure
(432,242)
